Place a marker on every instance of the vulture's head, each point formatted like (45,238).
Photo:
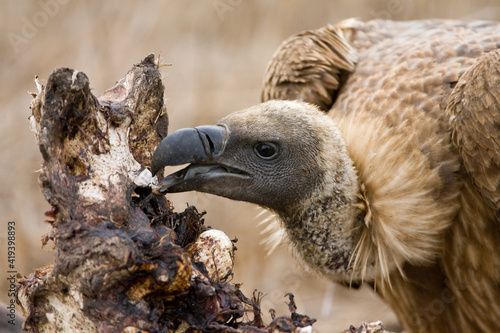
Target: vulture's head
(286,156)
(276,154)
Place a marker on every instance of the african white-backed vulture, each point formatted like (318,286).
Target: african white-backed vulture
(396,185)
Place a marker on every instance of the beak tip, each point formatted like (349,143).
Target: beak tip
(159,190)
(154,170)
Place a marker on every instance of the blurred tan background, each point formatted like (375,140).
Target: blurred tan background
(218,50)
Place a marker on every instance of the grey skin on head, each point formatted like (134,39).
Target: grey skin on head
(246,156)
(378,147)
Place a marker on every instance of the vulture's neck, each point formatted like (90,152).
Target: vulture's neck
(325,228)
(379,204)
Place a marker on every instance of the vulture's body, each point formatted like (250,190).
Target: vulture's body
(398,185)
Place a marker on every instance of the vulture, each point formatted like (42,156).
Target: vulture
(377,145)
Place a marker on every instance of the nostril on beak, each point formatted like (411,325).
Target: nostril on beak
(213,139)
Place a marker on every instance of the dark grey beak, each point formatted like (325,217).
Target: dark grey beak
(189,145)
(199,146)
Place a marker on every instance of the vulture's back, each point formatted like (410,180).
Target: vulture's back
(413,64)
(388,86)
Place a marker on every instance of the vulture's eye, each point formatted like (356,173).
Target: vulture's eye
(266,150)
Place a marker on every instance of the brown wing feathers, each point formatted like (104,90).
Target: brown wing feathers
(474,111)
(309,66)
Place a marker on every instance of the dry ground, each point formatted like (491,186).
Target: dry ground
(218,50)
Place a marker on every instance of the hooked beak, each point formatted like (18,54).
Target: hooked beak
(200,146)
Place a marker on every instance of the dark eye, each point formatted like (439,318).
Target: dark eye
(266,150)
